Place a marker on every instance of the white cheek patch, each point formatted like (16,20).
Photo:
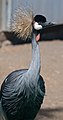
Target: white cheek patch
(37,26)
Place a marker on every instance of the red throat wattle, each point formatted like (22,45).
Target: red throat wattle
(38,37)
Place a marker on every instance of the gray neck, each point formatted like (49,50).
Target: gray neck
(34,68)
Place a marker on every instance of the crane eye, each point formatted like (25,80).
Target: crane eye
(37,26)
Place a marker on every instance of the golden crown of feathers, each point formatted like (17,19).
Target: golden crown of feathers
(22,23)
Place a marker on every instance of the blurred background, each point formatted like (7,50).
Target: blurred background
(52,9)
(15,56)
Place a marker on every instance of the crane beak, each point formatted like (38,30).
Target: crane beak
(47,24)
(37,26)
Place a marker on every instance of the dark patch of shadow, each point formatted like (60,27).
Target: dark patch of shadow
(15,40)
(45,36)
(49,113)
(53,32)
(48,33)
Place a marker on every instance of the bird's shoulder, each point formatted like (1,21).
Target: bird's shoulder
(12,79)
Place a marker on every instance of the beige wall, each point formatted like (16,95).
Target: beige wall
(0,13)
(5,14)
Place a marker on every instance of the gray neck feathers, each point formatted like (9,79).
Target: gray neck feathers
(34,68)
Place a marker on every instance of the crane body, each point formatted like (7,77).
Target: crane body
(22,91)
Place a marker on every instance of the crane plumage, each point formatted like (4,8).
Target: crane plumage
(22,91)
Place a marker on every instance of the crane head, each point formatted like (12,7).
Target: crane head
(38,22)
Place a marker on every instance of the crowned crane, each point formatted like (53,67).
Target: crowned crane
(22,91)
